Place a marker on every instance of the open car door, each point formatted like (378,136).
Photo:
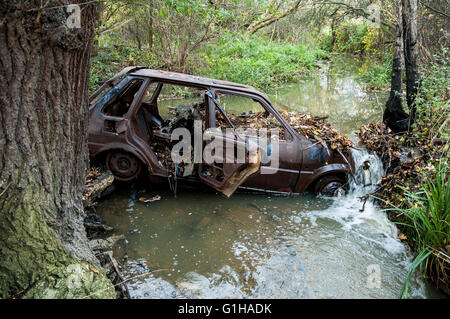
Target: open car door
(226,175)
(230,161)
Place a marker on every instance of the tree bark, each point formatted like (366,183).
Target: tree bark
(95,44)
(137,34)
(411,49)
(394,116)
(44,69)
(406,51)
(333,32)
(150,27)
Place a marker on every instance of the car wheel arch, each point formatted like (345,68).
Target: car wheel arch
(327,178)
(101,155)
(339,170)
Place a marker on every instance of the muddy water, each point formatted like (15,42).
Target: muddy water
(200,245)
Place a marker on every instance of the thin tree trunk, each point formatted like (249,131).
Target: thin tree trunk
(333,32)
(150,27)
(137,35)
(95,44)
(44,68)
(394,116)
(411,49)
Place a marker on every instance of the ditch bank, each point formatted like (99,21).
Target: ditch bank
(415,194)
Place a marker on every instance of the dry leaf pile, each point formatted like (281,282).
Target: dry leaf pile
(312,127)
(408,159)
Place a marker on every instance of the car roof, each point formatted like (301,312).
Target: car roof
(196,80)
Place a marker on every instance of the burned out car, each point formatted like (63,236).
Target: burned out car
(137,124)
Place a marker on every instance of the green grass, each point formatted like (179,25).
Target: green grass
(259,62)
(417,262)
(427,215)
(429,211)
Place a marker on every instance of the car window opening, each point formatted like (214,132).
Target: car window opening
(165,108)
(248,116)
(120,105)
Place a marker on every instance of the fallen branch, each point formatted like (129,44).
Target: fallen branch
(119,274)
(5,189)
(122,282)
(269,18)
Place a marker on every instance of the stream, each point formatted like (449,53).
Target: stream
(201,245)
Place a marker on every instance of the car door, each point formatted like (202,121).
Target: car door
(230,161)
(281,164)
(108,116)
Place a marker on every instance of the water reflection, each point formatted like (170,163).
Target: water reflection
(333,91)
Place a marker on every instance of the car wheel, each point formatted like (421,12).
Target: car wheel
(124,166)
(329,186)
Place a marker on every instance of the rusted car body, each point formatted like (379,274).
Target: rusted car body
(127,140)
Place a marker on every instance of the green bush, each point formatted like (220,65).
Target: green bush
(354,38)
(112,59)
(376,71)
(255,61)
(259,62)
(366,42)
(432,99)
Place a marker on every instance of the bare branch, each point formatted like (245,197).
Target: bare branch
(269,18)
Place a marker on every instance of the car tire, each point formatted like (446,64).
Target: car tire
(123,165)
(329,186)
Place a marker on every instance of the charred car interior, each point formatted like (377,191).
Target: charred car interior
(134,114)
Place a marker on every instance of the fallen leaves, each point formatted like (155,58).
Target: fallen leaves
(312,127)
(93,175)
(96,182)
(408,160)
(94,270)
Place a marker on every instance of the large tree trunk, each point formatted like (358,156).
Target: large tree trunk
(43,112)
(394,116)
